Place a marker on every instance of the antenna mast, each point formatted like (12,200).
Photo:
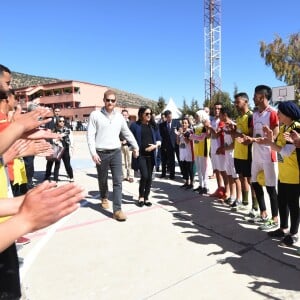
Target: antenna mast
(212,42)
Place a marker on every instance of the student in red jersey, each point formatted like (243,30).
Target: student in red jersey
(264,158)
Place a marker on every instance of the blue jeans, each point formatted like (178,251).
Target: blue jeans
(112,160)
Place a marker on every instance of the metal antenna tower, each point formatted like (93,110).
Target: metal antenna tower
(212,42)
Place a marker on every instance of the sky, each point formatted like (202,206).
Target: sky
(150,48)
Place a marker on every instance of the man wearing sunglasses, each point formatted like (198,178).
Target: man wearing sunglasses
(104,128)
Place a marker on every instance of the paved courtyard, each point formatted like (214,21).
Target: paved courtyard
(185,246)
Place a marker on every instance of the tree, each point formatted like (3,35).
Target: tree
(160,105)
(224,99)
(284,59)
(185,110)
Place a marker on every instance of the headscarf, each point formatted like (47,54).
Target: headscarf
(290,109)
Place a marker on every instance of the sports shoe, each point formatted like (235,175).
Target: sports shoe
(251,214)
(197,189)
(105,203)
(119,216)
(188,187)
(240,207)
(257,219)
(217,192)
(289,240)
(276,233)
(204,191)
(269,224)
(22,240)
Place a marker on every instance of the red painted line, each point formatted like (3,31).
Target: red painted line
(105,219)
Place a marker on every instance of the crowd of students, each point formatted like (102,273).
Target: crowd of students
(263,143)
(257,152)
(23,211)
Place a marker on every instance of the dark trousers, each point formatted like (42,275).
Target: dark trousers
(113,161)
(261,200)
(9,274)
(146,170)
(29,167)
(168,161)
(67,162)
(288,200)
(188,170)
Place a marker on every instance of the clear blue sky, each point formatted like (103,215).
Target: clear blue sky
(151,48)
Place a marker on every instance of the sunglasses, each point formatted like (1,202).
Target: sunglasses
(61,120)
(147,114)
(110,100)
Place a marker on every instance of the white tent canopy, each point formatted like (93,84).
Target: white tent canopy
(171,106)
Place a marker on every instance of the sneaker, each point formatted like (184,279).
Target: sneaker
(268,225)
(240,207)
(257,220)
(289,240)
(188,187)
(119,216)
(216,193)
(253,213)
(71,180)
(105,203)
(22,241)
(204,191)
(234,203)
(228,201)
(197,189)
(234,206)
(276,233)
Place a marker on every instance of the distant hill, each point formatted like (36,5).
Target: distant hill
(124,98)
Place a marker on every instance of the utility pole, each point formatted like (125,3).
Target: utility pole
(212,44)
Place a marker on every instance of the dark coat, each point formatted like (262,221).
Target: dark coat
(168,136)
(137,132)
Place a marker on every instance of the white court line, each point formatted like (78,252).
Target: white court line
(31,257)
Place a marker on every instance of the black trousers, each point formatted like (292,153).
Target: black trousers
(288,201)
(9,274)
(146,170)
(259,192)
(67,162)
(29,167)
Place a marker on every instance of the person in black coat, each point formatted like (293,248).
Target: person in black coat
(147,135)
(168,146)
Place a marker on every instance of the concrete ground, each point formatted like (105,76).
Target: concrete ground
(185,246)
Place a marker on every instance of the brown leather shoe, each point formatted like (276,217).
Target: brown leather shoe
(119,216)
(105,203)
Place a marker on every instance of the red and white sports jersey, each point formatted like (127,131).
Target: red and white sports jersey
(263,153)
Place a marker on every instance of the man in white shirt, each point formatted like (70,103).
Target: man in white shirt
(104,128)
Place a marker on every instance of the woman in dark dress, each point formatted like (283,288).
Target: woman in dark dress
(148,138)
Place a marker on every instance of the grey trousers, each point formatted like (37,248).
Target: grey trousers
(111,160)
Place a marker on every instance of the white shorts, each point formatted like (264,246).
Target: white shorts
(218,162)
(229,165)
(269,169)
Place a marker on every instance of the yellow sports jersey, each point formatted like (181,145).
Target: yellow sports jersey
(201,148)
(242,126)
(288,168)
(4,184)
(19,171)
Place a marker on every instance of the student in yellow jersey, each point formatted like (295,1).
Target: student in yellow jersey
(243,151)
(288,175)
(201,149)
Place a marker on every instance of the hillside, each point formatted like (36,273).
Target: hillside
(124,98)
